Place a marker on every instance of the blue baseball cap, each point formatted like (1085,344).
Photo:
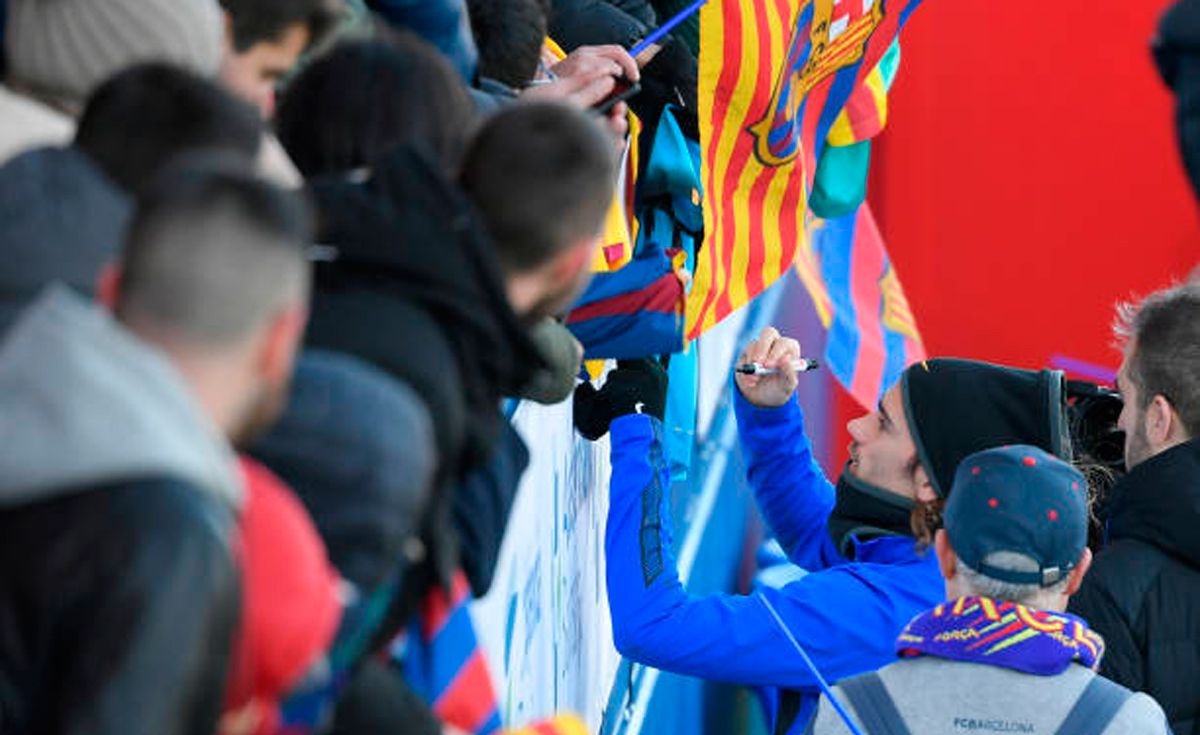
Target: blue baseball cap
(1020,499)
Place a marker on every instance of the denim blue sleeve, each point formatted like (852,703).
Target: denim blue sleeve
(835,615)
(443,23)
(791,489)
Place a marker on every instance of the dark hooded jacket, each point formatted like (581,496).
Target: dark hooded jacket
(357,447)
(410,283)
(1143,591)
(119,597)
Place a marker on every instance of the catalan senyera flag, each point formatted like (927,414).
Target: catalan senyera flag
(775,77)
(872,335)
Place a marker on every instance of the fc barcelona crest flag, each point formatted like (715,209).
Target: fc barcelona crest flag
(871,332)
(775,78)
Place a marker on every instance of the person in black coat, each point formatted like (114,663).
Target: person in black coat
(1176,49)
(1143,593)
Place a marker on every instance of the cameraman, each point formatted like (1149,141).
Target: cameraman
(1143,594)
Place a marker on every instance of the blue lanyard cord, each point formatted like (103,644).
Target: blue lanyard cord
(811,666)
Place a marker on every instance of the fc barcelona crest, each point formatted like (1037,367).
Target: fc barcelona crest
(830,35)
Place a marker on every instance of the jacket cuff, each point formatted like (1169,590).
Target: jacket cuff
(749,415)
(634,427)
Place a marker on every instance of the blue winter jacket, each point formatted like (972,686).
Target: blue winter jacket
(846,614)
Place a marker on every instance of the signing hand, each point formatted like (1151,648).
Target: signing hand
(771,351)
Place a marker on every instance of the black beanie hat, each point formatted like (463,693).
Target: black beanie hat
(958,407)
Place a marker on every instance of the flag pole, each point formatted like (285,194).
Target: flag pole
(666,28)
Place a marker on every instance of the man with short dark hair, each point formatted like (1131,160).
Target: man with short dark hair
(1143,594)
(464,282)
(352,105)
(118,486)
(541,176)
(510,35)
(1000,654)
(143,117)
(265,39)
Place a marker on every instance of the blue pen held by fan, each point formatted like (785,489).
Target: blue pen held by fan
(802,365)
(666,28)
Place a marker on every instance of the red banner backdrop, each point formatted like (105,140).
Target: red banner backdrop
(1028,178)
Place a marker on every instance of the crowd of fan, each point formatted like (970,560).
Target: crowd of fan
(253,351)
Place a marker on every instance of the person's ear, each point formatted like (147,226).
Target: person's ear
(923,491)
(227,24)
(1075,579)
(108,286)
(1160,422)
(280,342)
(573,261)
(947,559)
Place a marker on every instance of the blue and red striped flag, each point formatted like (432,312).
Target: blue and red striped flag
(639,310)
(872,335)
(775,77)
(443,662)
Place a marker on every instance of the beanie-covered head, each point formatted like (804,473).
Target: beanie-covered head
(958,407)
(61,219)
(63,49)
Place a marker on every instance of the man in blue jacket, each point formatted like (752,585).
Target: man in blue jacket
(863,541)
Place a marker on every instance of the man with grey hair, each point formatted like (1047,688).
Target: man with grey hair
(118,486)
(1144,593)
(1000,655)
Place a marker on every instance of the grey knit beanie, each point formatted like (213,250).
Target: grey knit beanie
(61,219)
(63,49)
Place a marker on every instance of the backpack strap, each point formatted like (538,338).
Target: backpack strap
(1095,709)
(875,707)
(789,710)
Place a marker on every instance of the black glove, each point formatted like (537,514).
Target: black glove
(636,386)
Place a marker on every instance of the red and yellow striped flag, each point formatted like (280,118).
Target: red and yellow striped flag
(775,75)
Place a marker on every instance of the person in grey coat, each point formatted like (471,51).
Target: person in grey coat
(1000,655)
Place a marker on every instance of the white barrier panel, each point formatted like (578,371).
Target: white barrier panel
(544,625)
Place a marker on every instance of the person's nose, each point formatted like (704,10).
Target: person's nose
(857,429)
